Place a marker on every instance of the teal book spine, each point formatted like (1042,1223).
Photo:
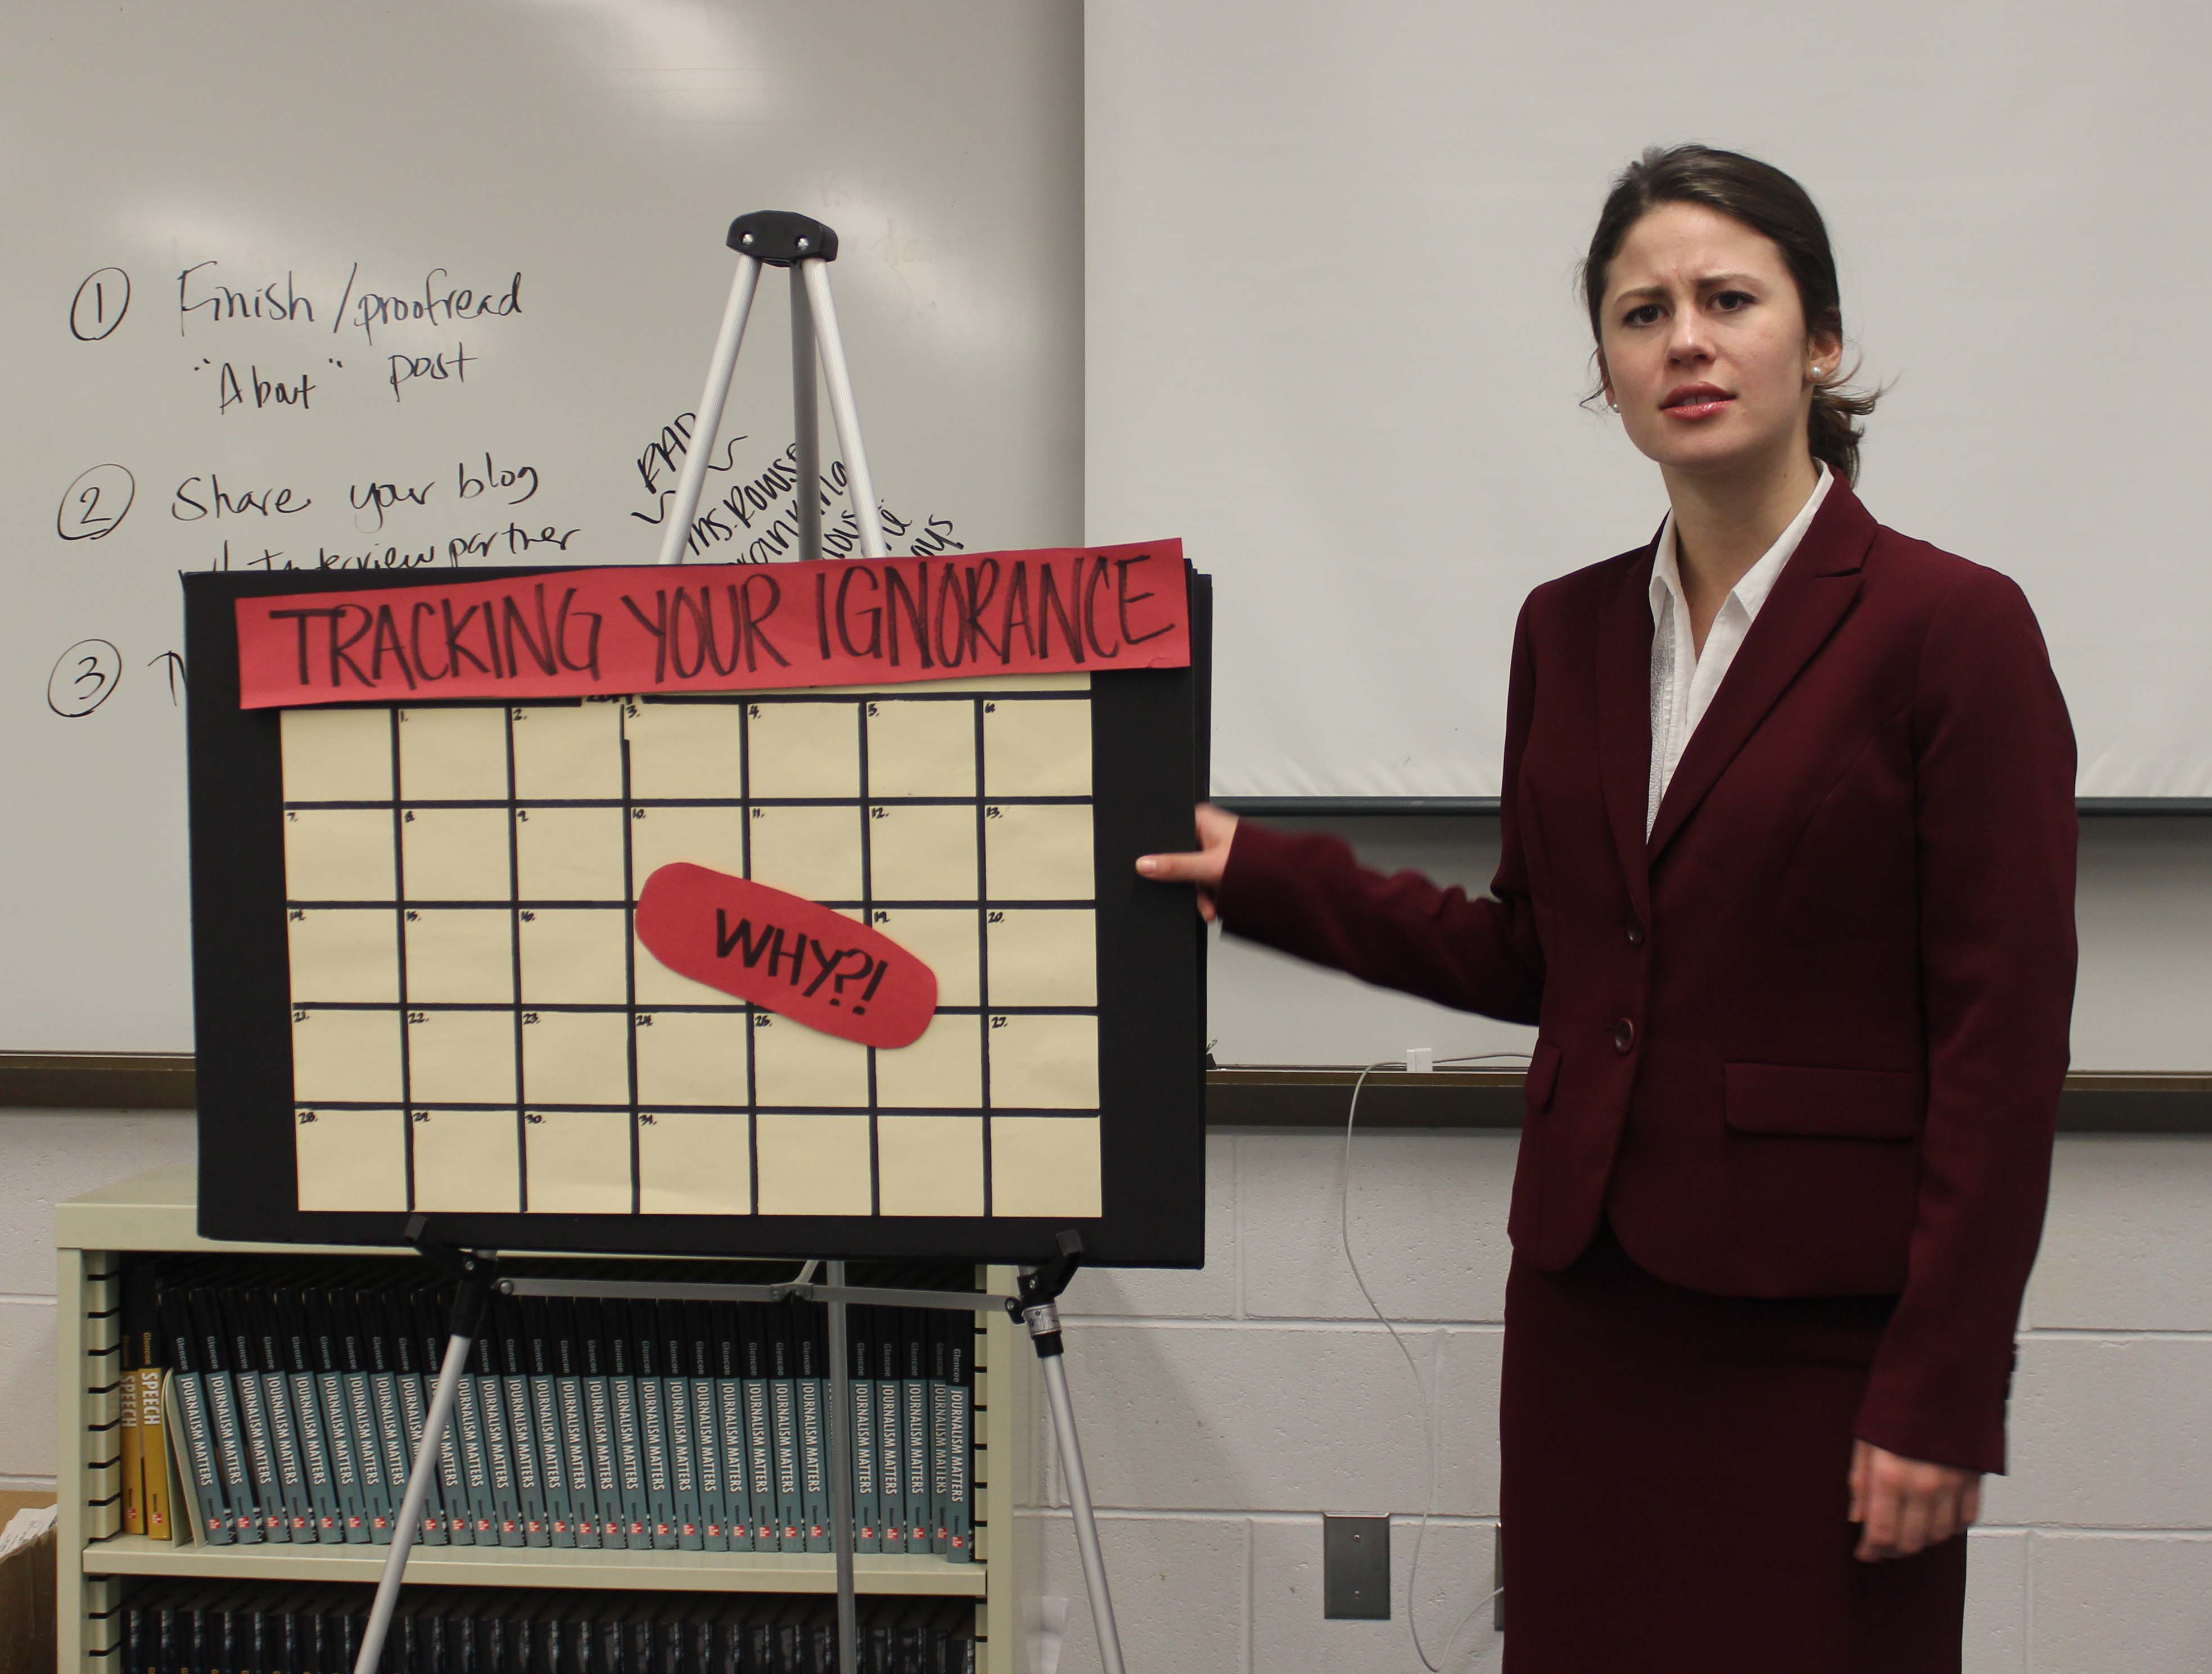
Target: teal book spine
(214,1526)
(600,1424)
(960,1442)
(575,1434)
(868,1489)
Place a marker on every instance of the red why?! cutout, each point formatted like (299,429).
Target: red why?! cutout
(786,953)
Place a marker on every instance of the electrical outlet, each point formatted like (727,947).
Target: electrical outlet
(1355,1568)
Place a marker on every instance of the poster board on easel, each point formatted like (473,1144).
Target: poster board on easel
(423,981)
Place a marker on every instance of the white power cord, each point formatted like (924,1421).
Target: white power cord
(1418,1058)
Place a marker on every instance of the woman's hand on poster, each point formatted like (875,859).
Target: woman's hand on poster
(1905,1505)
(1216,827)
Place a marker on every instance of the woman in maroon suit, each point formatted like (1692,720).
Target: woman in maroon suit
(1786,886)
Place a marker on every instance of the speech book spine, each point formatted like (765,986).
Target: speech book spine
(211,1511)
(132,1462)
(222,1413)
(153,1429)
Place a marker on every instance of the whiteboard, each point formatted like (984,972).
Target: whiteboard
(1334,341)
(434,284)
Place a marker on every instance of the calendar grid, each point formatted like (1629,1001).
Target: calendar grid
(615,1060)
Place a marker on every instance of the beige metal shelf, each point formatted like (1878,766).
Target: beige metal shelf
(537,1566)
(157,1212)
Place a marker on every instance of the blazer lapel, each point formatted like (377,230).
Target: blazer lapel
(1815,588)
(1624,716)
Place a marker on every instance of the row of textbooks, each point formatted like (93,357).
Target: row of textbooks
(295,1395)
(196,1625)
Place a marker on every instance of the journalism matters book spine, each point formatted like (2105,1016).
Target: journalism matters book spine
(705,1428)
(188,1385)
(504,1321)
(302,1374)
(229,1309)
(783,1422)
(760,1448)
(960,1432)
(337,1421)
(429,1307)
(867,1482)
(890,1429)
(268,1354)
(666,1320)
(577,1441)
(414,1410)
(808,1322)
(738,1479)
(914,1349)
(223,1412)
(545,1417)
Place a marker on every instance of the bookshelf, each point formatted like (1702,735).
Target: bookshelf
(157,1212)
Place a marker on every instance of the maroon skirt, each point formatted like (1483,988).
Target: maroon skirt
(1674,1485)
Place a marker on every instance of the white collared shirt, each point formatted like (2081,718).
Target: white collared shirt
(1683,681)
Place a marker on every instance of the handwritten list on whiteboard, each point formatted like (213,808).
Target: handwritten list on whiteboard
(308,297)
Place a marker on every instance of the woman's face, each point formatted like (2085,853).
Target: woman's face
(1704,343)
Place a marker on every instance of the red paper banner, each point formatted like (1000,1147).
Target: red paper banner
(722,627)
(792,955)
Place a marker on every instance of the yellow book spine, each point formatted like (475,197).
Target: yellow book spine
(134,1493)
(154,1450)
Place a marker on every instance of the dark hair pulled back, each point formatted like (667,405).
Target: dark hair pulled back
(1769,201)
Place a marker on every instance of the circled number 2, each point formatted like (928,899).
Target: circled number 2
(81,679)
(93,505)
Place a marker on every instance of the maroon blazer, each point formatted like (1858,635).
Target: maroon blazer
(1808,1039)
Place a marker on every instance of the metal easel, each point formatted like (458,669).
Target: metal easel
(770,238)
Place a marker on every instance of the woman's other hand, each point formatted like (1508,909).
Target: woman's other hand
(1905,1505)
(1216,827)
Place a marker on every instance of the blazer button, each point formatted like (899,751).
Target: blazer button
(1636,936)
(1624,1035)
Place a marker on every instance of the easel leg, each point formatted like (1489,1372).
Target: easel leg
(676,522)
(1037,1308)
(840,1475)
(478,1273)
(805,417)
